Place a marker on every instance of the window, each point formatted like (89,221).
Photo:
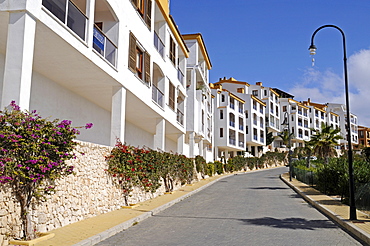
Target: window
(221,114)
(139,63)
(221,132)
(172,53)
(144,8)
(139,60)
(222,98)
(284,108)
(171,96)
(265,93)
(255,93)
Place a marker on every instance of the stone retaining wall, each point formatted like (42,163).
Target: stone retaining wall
(88,193)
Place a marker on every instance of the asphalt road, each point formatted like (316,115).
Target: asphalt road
(255,208)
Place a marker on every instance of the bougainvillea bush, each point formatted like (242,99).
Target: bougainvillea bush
(33,151)
(145,168)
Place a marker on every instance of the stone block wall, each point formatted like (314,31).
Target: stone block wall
(88,193)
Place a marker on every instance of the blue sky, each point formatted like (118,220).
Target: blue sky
(268,40)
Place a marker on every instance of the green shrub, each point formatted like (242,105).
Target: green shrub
(210,169)
(201,165)
(219,167)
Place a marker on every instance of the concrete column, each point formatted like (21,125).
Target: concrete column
(159,137)
(118,115)
(180,143)
(191,144)
(90,13)
(201,148)
(19,60)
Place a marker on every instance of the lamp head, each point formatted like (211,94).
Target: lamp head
(312,49)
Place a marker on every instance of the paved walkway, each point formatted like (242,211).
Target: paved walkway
(332,208)
(96,229)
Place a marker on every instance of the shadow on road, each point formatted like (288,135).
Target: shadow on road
(268,188)
(290,223)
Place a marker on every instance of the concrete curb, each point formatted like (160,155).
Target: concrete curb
(346,224)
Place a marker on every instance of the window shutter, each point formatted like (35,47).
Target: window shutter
(132,53)
(171,96)
(135,2)
(147,67)
(148,15)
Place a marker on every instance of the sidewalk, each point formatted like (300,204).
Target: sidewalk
(93,230)
(333,209)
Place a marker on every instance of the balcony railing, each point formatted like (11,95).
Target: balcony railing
(180,117)
(157,96)
(240,110)
(241,127)
(104,46)
(158,44)
(262,140)
(254,122)
(180,76)
(68,13)
(232,123)
(299,123)
(255,137)
(261,124)
(241,144)
(232,141)
(232,105)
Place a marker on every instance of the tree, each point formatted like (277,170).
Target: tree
(324,141)
(33,151)
(285,136)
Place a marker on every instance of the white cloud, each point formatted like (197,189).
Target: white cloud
(327,86)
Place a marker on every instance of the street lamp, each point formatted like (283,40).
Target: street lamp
(286,123)
(312,48)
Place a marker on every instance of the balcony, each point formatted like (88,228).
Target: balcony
(241,144)
(180,117)
(262,140)
(68,13)
(180,76)
(104,46)
(232,105)
(240,110)
(157,96)
(232,141)
(255,137)
(158,44)
(232,123)
(241,127)
(300,112)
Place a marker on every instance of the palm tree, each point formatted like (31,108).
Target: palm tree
(324,141)
(285,136)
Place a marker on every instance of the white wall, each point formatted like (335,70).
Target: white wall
(136,136)
(47,96)
(2,64)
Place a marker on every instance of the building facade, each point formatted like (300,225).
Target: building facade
(118,64)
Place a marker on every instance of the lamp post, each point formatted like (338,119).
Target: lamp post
(286,123)
(312,48)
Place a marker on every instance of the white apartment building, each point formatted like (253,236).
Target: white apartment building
(199,112)
(273,109)
(299,121)
(341,112)
(119,64)
(229,123)
(251,118)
